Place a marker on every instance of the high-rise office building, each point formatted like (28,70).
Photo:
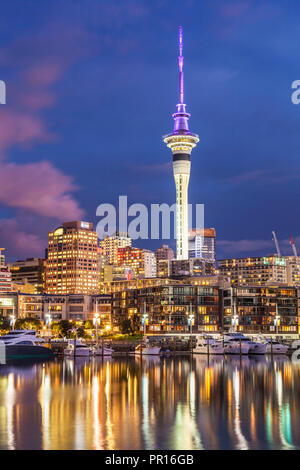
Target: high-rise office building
(5,279)
(140,263)
(181,142)
(5,274)
(2,257)
(32,270)
(111,244)
(164,252)
(72,264)
(202,244)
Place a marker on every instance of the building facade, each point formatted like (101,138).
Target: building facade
(31,270)
(5,279)
(257,270)
(170,308)
(48,307)
(140,263)
(202,244)
(72,264)
(110,246)
(164,253)
(264,309)
(293,270)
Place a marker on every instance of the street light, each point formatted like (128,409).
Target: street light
(235,321)
(96,320)
(12,321)
(277,319)
(48,320)
(235,317)
(144,320)
(96,323)
(191,321)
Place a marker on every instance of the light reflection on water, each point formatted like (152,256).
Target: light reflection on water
(151,403)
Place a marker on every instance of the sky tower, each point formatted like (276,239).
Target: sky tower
(181,142)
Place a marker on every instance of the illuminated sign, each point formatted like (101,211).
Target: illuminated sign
(85,225)
(6,302)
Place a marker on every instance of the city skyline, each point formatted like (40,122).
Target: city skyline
(58,151)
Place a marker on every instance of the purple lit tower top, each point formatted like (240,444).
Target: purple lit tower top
(181,117)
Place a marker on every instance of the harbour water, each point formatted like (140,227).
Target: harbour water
(151,403)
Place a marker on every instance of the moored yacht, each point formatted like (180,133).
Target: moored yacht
(254,346)
(24,344)
(77,350)
(208,346)
(274,347)
(147,350)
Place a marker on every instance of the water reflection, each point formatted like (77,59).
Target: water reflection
(151,403)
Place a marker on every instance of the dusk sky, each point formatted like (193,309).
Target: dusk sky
(91,88)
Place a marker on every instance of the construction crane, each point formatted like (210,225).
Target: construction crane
(293,246)
(276,244)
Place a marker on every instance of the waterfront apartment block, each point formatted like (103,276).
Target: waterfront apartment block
(72,264)
(56,307)
(110,246)
(293,270)
(170,308)
(31,270)
(263,309)
(202,244)
(255,271)
(119,286)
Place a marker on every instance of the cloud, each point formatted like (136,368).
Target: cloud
(36,187)
(243,248)
(18,241)
(235,9)
(262,176)
(151,170)
(39,187)
(233,247)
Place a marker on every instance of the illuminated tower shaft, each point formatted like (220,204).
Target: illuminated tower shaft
(181,142)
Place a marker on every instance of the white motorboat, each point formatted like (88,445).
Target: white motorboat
(99,351)
(80,350)
(208,346)
(273,347)
(147,350)
(254,346)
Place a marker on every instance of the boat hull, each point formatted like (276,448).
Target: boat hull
(27,351)
(154,351)
(237,348)
(213,350)
(257,348)
(106,352)
(277,349)
(78,353)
